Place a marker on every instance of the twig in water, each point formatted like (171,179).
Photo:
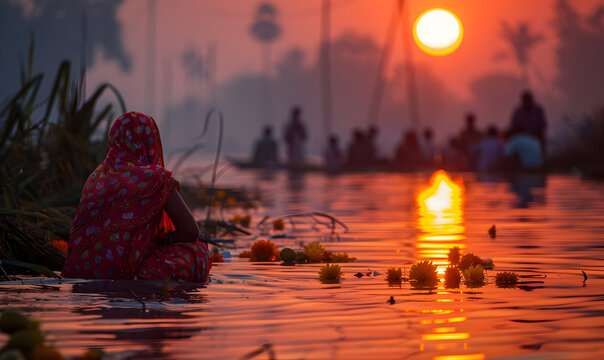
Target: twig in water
(4,273)
(268,348)
(139,299)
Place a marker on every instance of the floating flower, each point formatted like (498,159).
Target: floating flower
(279,225)
(506,279)
(264,250)
(60,245)
(245,254)
(454,255)
(474,276)
(339,257)
(216,256)
(423,274)
(288,256)
(469,260)
(314,252)
(394,276)
(452,277)
(330,274)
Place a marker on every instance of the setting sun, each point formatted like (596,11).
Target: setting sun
(438,32)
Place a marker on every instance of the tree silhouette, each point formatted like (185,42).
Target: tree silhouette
(266,30)
(522,40)
(580,55)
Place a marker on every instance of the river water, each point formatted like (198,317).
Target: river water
(549,229)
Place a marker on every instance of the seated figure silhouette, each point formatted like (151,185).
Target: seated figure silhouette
(408,152)
(266,150)
(529,118)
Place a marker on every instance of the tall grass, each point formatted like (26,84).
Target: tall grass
(49,144)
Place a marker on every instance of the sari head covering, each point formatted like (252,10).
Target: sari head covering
(121,210)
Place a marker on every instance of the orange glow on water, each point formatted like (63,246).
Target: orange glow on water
(440,219)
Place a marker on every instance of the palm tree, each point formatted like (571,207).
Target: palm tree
(265,29)
(522,41)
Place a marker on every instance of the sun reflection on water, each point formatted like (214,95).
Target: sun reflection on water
(440,221)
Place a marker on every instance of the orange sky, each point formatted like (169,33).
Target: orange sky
(197,23)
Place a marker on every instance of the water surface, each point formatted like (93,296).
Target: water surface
(548,230)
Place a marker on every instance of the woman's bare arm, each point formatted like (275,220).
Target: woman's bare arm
(182,218)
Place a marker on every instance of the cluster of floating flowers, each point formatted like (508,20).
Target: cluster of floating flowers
(313,252)
(469,268)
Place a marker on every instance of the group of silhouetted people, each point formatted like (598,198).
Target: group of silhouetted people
(266,149)
(521,147)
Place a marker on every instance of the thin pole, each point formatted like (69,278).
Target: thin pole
(326,99)
(378,90)
(268,111)
(167,102)
(151,43)
(412,93)
(84,48)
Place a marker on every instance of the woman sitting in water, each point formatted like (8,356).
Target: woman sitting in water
(132,222)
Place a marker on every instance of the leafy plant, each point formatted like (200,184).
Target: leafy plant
(49,144)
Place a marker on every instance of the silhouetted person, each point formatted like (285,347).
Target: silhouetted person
(523,152)
(469,137)
(529,118)
(266,150)
(372,156)
(489,151)
(295,138)
(453,155)
(356,155)
(333,158)
(408,152)
(428,148)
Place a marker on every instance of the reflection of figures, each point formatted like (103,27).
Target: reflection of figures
(489,151)
(295,138)
(528,188)
(523,152)
(266,153)
(529,118)
(333,157)
(408,152)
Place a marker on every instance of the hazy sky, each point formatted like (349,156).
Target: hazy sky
(184,24)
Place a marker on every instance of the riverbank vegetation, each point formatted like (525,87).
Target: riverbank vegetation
(53,133)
